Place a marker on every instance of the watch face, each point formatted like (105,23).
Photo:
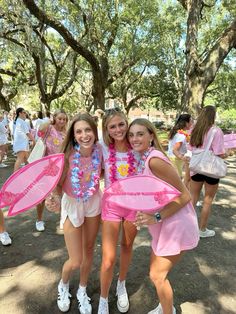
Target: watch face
(158,216)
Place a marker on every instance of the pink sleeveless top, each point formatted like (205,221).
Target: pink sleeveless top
(86,165)
(176,233)
(53,140)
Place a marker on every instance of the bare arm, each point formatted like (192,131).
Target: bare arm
(167,173)
(176,152)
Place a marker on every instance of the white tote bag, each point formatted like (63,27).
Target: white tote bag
(39,148)
(38,151)
(207,163)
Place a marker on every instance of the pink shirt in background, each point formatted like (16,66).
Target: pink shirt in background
(53,140)
(217,145)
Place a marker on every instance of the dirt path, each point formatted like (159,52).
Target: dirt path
(204,282)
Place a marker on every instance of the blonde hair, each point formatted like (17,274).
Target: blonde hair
(205,121)
(151,129)
(108,115)
(56,113)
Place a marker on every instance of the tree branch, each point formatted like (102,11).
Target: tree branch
(63,31)
(218,53)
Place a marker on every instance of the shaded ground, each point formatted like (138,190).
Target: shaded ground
(204,282)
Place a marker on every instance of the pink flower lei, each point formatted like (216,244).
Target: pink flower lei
(113,165)
(142,160)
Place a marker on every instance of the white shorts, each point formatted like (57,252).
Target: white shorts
(76,211)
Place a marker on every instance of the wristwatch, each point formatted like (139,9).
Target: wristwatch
(158,217)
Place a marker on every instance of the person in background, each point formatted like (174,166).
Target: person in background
(22,136)
(37,122)
(200,137)
(3,139)
(4,236)
(47,117)
(174,228)
(53,134)
(177,148)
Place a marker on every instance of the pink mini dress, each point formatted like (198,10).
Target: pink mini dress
(176,233)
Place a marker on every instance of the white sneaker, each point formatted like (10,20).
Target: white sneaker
(2,165)
(63,299)
(103,307)
(158,310)
(207,233)
(84,302)
(122,297)
(5,238)
(39,225)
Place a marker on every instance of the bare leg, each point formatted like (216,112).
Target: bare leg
(2,226)
(73,240)
(187,177)
(90,230)
(210,192)
(159,269)
(110,234)
(40,208)
(195,190)
(21,158)
(129,232)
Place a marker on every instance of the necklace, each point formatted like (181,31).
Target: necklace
(184,133)
(113,163)
(77,174)
(142,160)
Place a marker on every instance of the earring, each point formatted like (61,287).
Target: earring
(150,143)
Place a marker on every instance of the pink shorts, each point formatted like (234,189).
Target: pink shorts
(116,213)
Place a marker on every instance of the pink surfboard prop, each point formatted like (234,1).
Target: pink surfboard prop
(230,140)
(31,184)
(140,193)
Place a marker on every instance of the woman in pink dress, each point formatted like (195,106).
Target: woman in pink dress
(174,227)
(53,134)
(200,137)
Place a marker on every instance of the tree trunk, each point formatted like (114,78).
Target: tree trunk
(4,104)
(98,90)
(201,73)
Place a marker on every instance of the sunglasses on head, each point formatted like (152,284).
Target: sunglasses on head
(112,111)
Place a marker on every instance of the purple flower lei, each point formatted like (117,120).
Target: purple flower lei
(77,174)
(112,161)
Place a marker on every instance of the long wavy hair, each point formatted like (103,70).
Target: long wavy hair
(151,129)
(69,141)
(205,121)
(181,123)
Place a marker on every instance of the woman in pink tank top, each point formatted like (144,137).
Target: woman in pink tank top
(174,228)
(80,206)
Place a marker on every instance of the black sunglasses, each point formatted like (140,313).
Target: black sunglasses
(112,111)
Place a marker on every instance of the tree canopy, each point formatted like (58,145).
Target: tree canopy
(170,54)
